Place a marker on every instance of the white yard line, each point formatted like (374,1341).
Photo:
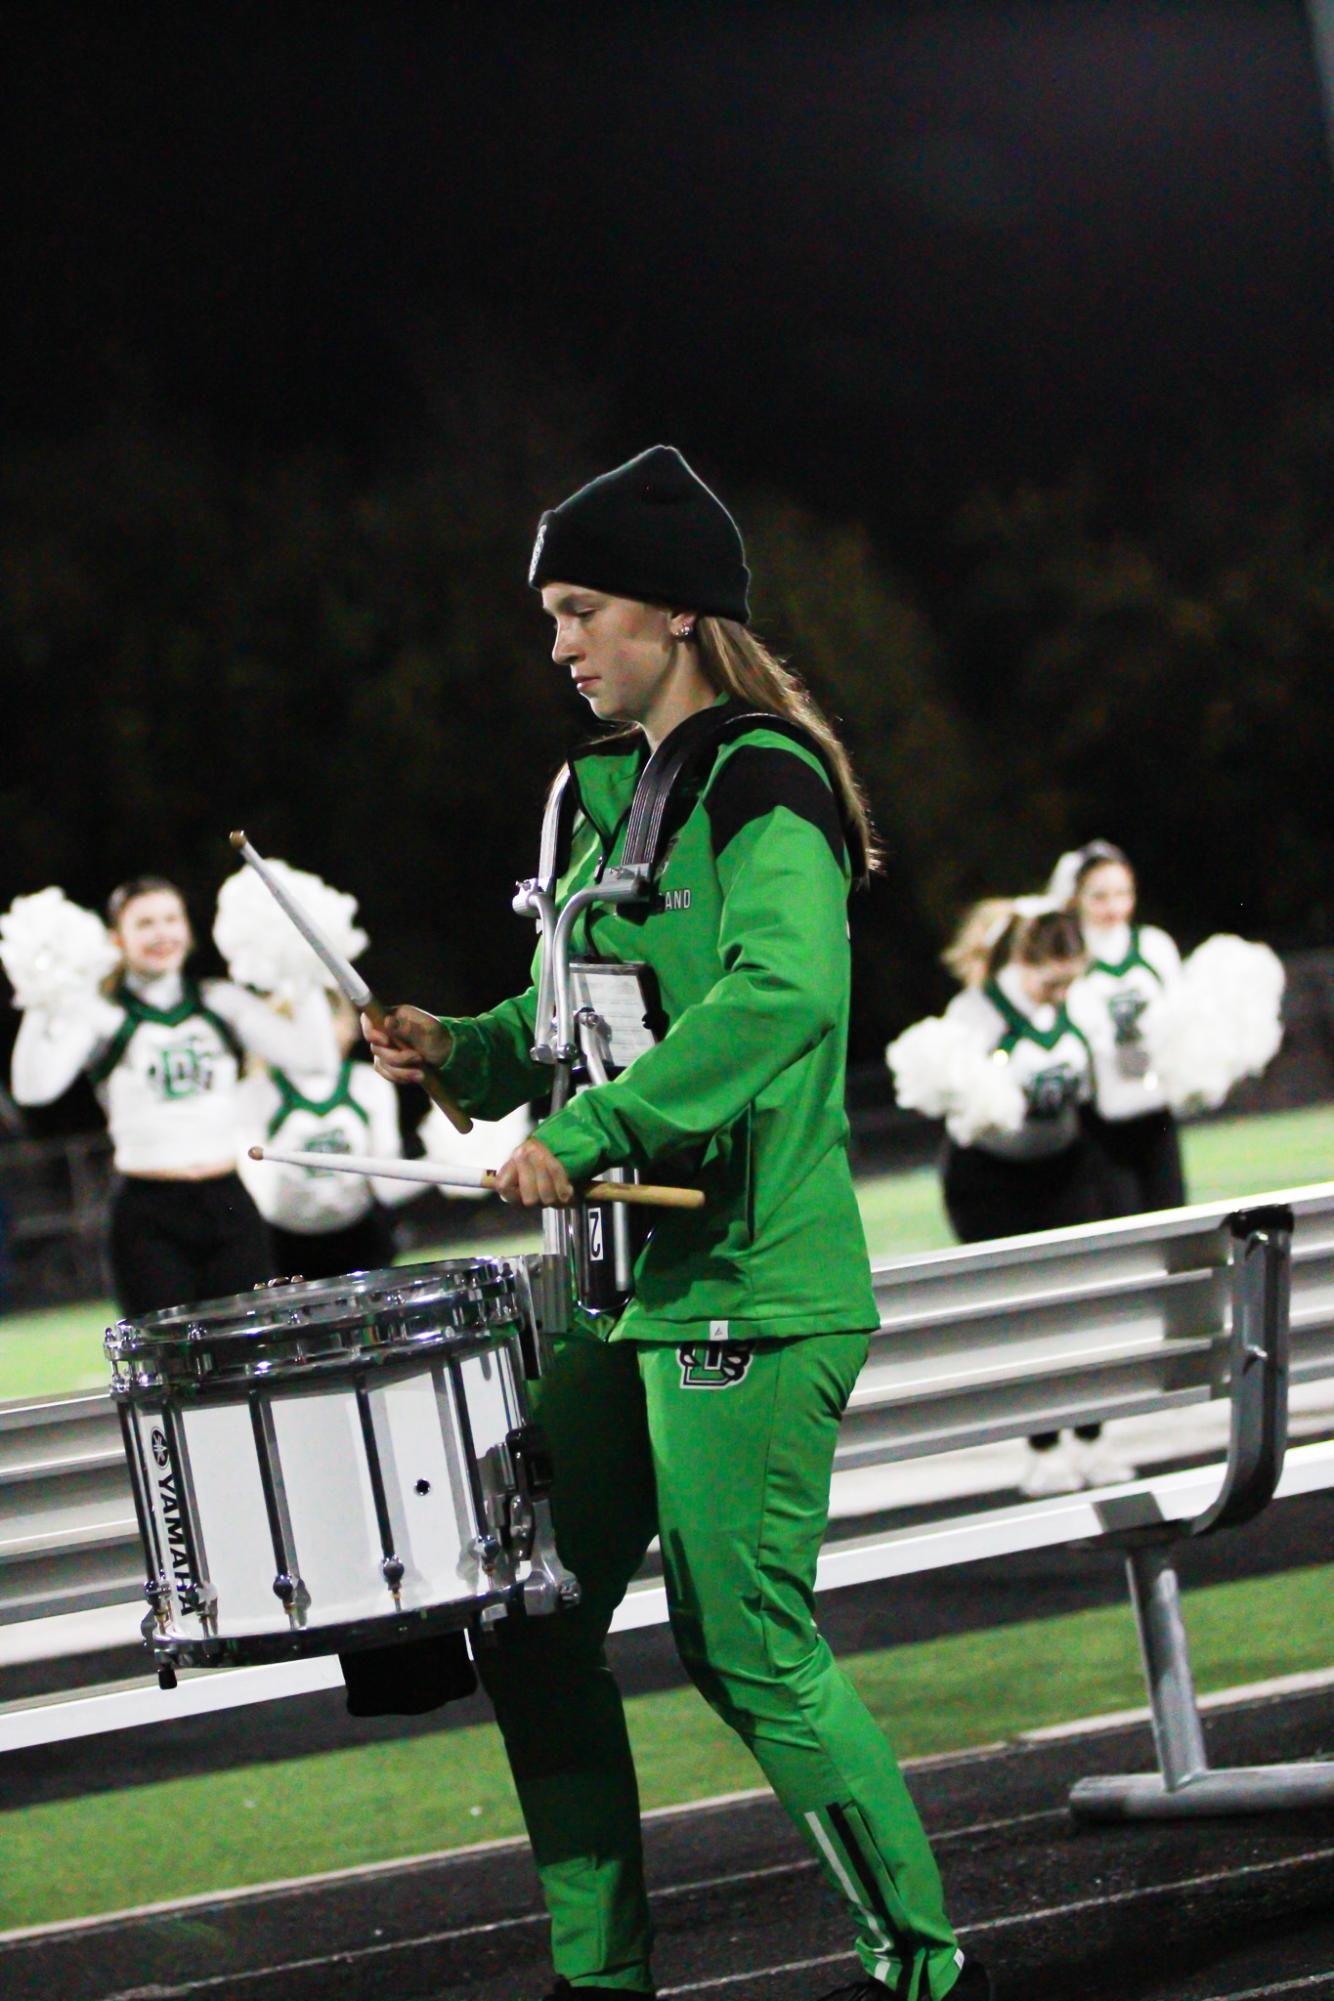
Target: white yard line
(305,1885)
(754,1973)
(1283,1987)
(353,1955)
(1279,1686)
(1120,1897)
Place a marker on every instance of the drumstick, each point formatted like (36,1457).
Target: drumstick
(468,1177)
(345,973)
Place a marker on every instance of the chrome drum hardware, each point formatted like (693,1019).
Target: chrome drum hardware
(340,1463)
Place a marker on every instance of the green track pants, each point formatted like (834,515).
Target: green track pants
(725,1453)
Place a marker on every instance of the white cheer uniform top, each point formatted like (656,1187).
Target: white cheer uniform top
(1048,1058)
(1130,966)
(164,1057)
(348,1109)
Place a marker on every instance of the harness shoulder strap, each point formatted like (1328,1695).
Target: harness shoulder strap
(675,775)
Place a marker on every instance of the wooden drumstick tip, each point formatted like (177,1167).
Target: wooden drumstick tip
(255,1153)
(237,839)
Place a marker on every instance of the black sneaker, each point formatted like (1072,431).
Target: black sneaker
(973,1984)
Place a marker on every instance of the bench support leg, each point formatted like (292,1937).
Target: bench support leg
(1183,1785)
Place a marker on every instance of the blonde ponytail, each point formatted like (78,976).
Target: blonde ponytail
(1030,929)
(968,955)
(736,663)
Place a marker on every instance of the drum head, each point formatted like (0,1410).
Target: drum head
(315,1325)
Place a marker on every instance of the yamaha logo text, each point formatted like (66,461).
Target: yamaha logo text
(169,1507)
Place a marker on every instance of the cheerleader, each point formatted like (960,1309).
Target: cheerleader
(163,1052)
(321,1224)
(1011,1072)
(1130,967)
(1016,1158)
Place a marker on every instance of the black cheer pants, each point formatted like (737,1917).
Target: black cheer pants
(986,1196)
(177,1241)
(1139,1163)
(366,1245)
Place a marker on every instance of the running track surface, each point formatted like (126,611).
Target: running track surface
(1238,1910)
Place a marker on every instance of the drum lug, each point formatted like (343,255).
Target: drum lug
(159,1599)
(488,1550)
(293,1596)
(497,1547)
(392,1569)
(201,1598)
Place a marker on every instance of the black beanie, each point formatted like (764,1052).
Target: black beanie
(649,530)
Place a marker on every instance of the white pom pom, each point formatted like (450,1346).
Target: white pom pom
(488,1146)
(943,1071)
(262,946)
(54,951)
(1218,1023)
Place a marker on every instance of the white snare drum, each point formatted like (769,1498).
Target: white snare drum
(322,1466)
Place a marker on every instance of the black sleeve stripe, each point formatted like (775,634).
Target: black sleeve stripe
(757,778)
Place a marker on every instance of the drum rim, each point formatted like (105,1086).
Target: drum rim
(345,1636)
(283,1295)
(159,1387)
(178,1347)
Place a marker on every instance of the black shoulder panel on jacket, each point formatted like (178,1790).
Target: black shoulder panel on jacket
(759,777)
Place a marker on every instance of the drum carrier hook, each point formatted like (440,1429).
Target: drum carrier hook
(598,1241)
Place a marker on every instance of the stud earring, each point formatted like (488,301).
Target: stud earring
(683,632)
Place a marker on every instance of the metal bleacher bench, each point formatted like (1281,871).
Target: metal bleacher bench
(1216,1304)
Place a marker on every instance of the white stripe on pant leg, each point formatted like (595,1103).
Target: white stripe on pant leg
(850,1891)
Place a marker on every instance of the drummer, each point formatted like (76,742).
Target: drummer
(710,1416)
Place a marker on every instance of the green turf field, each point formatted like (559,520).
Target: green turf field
(53,1352)
(372,1803)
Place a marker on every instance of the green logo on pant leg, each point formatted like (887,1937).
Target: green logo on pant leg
(713,1365)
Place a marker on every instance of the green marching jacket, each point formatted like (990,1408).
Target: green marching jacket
(743,1096)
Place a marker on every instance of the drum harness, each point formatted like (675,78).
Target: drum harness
(575,1036)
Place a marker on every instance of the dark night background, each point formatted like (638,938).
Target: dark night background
(1005,330)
